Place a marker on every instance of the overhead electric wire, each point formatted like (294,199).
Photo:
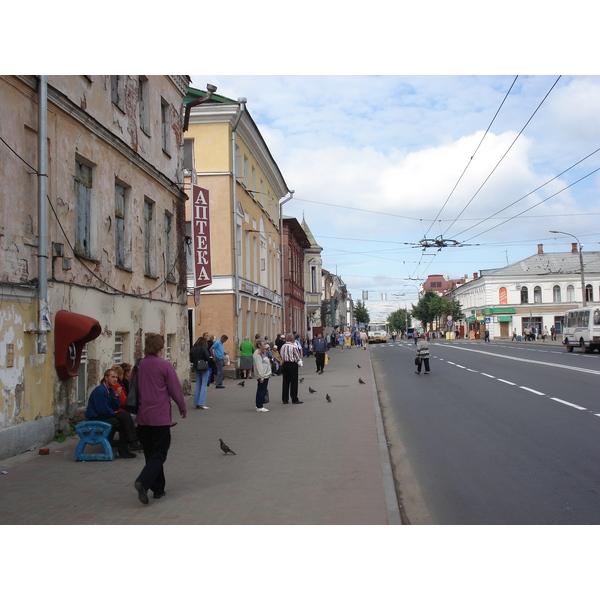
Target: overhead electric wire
(474,153)
(529,194)
(504,155)
(532,207)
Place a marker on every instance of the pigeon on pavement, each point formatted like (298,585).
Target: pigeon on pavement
(311,390)
(328,397)
(301,380)
(358,366)
(360,380)
(225,447)
(241,383)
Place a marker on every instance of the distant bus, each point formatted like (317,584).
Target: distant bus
(582,329)
(377,332)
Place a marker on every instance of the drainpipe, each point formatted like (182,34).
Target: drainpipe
(210,90)
(42,176)
(282,254)
(236,275)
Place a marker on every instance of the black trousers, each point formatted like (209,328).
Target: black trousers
(421,361)
(123,423)
(155,441)
(289,372)
(320,358)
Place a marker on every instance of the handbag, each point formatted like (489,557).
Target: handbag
(266,398)
(326,358)
(202,365)
(132,402)
(417,360)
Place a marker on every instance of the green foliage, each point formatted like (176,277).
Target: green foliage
(399,320)
(433,308)
(361,314)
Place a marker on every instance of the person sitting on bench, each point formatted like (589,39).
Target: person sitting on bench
(104,405)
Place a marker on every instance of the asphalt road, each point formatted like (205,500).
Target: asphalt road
(497,433)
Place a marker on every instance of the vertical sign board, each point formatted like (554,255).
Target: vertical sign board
(201,235)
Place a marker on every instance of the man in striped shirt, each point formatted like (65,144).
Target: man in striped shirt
(291,356)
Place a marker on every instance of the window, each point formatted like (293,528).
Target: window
(83,194)
(122,229)
(313,279)
(165,120)
(169,264)
(589,293)
(245,170)
(118,349)
(117,90)
(524,295)
(189,258)
(537,294)
(188,155)
(149,239)
(436,284)
(556,293)
(570,293)
(144,104)
(170,343)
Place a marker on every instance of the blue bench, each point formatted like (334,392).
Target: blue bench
(94,433)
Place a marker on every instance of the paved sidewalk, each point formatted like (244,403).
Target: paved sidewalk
(317,463)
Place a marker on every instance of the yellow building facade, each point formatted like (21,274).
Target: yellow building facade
(226,154)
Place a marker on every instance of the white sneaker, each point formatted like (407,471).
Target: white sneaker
(262,410)
(204,407)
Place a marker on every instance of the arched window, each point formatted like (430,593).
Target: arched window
(537,294)
(556,293)
(524,295)
(589,293)
(570,293)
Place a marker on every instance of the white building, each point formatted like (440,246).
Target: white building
(534,292)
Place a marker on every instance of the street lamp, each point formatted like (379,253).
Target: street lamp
(580,263)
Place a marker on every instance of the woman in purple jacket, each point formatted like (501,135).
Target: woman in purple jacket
(157,384)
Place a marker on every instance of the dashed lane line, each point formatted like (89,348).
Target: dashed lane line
(569,404)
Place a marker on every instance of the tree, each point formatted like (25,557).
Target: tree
(435,309)
(361,314)
(399,320)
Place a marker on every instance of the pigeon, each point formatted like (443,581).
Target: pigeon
(301,380)
(360,380)
(328,397)
(225,447)
(358,366)
(241,383)
(311,390)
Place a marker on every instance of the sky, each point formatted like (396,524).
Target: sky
(379,163)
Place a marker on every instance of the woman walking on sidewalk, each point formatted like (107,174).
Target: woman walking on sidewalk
(422,355)
(262,370)
(199,352)
(157,384)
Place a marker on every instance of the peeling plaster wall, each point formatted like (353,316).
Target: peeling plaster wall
(25,381)
(84,125)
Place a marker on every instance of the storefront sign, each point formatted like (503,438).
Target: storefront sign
(201,237)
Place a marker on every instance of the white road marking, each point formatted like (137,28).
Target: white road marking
(532,391)
(526,360)
(568,403)
(490,376)
(504,381)
(461,367)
